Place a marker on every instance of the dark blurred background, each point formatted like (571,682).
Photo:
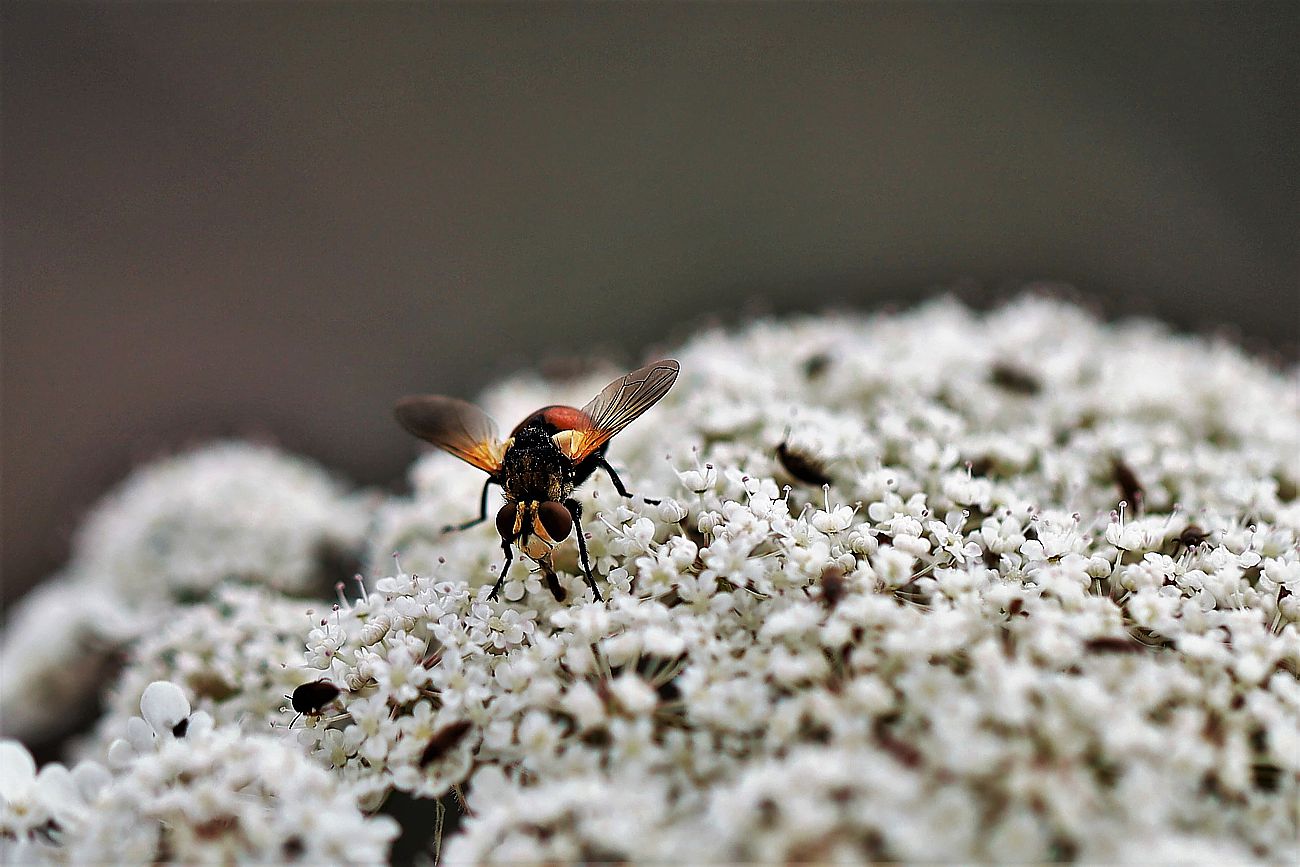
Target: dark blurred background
(275,219)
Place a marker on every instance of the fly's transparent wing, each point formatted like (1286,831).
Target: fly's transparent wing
(454,426)
(620,404)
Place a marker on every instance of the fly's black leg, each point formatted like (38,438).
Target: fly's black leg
(482,512)
(575,509)
(618,483)
(553,582)
(501,579)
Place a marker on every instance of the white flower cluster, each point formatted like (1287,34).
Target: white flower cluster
(932,586)
(184,791)
(40,812)
(231,511)
(55,650)
(238,657)
(172,532)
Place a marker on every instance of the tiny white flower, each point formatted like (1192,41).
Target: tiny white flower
(584,704)
(164,717)
(41,811)
(633,694)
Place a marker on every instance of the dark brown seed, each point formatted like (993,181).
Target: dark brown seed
(1266,777)
(904,752)
(1192,536)
(816,365)
(215,827)
(1130,489)
(1014,379)
(444,740)
(801,467)
(1113,644)
(293,848)
(669,691)
(833,586)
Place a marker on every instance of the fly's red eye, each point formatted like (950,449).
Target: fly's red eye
(555,520)
(506,520)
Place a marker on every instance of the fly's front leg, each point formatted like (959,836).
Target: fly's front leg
(618,483)
(501,579)
(482,512)
(552,580)
(575,509)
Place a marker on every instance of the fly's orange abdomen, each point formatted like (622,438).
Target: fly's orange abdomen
(556,418)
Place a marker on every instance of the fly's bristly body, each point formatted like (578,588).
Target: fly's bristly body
(546,457)
(534,468)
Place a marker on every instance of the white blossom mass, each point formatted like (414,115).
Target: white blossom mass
(931,586)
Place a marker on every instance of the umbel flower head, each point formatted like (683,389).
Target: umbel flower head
(931,586)
(230,511)
(55,651)
(238,657)
(172,533)
(190,793)
(936,586)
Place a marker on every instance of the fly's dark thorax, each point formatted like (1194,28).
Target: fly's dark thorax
(534,468)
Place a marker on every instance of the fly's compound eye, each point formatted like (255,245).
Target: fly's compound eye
(555,520)
(506,521)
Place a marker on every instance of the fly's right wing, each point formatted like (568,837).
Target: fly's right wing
(456,427)
(620,404)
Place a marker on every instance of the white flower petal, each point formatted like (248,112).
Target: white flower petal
(59,793)
(17,770)
(139,735)
(163,706)
(121,753)
(200,724)
(91,778)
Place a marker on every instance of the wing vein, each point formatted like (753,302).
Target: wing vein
(622,402)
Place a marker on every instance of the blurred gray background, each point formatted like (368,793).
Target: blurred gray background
(274,219)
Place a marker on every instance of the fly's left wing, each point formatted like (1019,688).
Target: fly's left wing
(620,404)
(454,426)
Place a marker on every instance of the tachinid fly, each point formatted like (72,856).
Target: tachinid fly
(544,459)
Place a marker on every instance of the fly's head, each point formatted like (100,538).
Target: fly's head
(535,526)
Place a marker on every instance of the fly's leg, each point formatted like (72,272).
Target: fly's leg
(552,581)
(575,509)
(618,483)
(501,579)
(482,513)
